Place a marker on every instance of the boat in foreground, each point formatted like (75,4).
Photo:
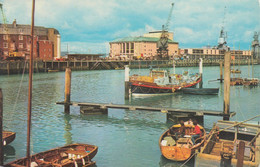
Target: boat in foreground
(182,148)
(8,137)
(160,82)
(222,145)
(66,156)
(201,91)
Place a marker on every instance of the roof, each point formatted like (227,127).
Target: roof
(139,39)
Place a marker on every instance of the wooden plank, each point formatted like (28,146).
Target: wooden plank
(146,108)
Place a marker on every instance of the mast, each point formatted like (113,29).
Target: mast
(30,89)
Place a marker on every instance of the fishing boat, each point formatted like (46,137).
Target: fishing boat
(236,81)
(70,155)
(181,148)
(161,82)
(251,82)
(201,91)
(236,71)
(8,137)
(222,145)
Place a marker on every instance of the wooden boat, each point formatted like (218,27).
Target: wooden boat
(236,71)
(160,82)
(8,137)
(53,70)
(222,145)
(182,148)
(250,81)
(236,81)
(201,91)
(66,156)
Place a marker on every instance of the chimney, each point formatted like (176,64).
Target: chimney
(14,23)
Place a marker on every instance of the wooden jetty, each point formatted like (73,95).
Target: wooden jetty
(172,113)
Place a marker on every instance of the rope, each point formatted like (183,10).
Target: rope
(188,159)
(19,90)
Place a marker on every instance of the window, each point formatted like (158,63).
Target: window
(5,45)
(21,45)
(20,30)
(5,37)
(20,37)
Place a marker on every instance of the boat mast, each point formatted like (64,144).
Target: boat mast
(30,88)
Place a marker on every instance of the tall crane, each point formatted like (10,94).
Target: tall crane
(162,44)
(5,25)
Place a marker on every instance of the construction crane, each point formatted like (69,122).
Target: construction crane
(12,54)
(162,44)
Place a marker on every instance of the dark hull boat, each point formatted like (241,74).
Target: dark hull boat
(8,137)
(201,91)
(160,82)
(182,148)
(67,156)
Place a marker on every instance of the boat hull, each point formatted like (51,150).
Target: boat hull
(201,91)
(180,149)
(145,89)
(66,156)
(8,137)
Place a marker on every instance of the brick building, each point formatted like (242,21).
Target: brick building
(15,38)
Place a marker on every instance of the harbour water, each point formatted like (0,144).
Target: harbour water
(125,138)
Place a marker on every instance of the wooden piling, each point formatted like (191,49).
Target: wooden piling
(221,73)
(226,85)
(1,129)
(240,153)
(201,71)
(8,68)
(257,150)
(126,82)
(67,90)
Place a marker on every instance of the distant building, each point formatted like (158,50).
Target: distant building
(15,38)
(144,47)
(213,53)
(79,57)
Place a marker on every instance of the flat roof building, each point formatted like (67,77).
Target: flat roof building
(143,46)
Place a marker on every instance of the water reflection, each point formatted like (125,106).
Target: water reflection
(9,152)
(67,128)
(168,163)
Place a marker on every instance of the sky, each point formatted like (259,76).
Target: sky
(87,26)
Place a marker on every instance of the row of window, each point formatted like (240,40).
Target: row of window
(5,37)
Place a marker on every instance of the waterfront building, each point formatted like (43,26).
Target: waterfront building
(144,47)
(213,53)
(15,40)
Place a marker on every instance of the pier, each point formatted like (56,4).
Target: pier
(17,67)
(172,113)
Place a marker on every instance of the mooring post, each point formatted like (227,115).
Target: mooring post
(201,71)
(67,90)
(240,154)
(226,85)
(126,82)
(221,73)
(1,129)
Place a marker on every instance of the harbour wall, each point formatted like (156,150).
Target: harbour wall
(18,67)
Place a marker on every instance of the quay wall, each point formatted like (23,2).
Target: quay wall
(17,67)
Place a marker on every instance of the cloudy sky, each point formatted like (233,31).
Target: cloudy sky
(87,26)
